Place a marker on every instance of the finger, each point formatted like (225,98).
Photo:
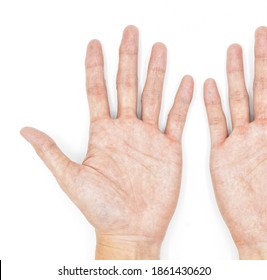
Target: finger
(177,115)
(151,97)
(56,161)
(260,80)
(216,117)
(95,82)
(127,73)
(238,95)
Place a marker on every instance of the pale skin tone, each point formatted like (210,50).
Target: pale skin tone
(239,159)
(128,184)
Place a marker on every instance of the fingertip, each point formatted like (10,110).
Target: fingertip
(129,42)
(26,132)
(22,131)
(261,42)
(32,134)
(93,47)
(159,51)
(158,59)
(94,43)
(130,30)
(130,34)
(94,54)
(159,47)
(211,95)
(209,83)
(234,49)
(234,59)
(188,79)
(261,35)
(261,30)
(187,88)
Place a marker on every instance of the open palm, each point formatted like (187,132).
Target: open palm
(128,185)
(239,161)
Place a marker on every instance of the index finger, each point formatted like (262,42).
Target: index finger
(95,82)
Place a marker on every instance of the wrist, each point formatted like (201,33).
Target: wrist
(127,248)
(253,252)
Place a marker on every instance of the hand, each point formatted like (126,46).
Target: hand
(128,184)
(239,161)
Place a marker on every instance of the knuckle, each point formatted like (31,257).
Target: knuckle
(152,94)
(127,112)
(47,147)
(95,88)
(126,82)
(178,117)
(241,129)
(214,121)
(128,50)
(157,71)
(238,95)
(94,67)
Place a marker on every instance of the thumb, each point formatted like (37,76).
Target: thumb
(48,151)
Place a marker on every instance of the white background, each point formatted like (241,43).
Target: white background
(42,84)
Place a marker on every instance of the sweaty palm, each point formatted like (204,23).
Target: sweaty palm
(239,161)
(128,184)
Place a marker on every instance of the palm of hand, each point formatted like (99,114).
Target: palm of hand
(238,169)
(126,180)
(128,185)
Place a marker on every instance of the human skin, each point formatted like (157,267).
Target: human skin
(128,184)
(238,161)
